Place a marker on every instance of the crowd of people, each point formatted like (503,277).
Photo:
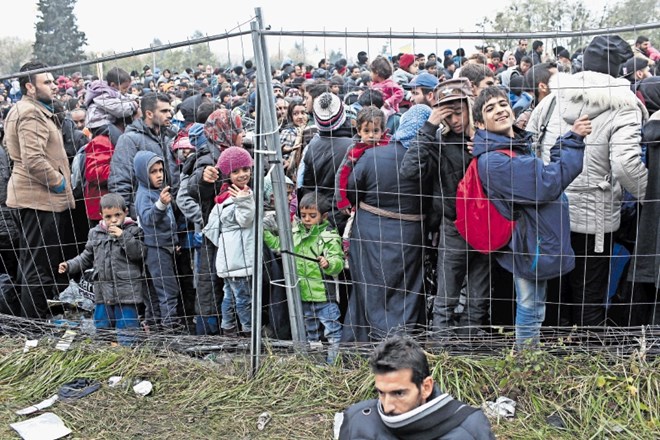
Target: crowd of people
(144,181)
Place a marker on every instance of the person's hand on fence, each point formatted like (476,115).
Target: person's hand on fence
(211,174)
(63,267)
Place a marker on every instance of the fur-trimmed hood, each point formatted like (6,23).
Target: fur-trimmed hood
(596,91)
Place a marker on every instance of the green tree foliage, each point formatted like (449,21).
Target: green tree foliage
(57,38)
(558,15)
(630,12)
(539,15)
(14,52)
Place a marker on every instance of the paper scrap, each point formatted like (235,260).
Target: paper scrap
(30,343)
(44,427)
(39,406)
(65,341)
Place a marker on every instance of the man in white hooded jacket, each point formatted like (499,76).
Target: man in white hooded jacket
(612,162)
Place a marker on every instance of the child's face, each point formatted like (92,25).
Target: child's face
(311,217)
(498,116)
(241,176)
(156,175)
(114,216)
(371,131)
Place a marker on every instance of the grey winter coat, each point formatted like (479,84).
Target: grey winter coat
(117,262)
(612,157)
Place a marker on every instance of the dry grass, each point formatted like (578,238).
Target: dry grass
(193,398)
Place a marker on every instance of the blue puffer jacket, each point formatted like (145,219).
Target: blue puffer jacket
(522,187)
(156,220)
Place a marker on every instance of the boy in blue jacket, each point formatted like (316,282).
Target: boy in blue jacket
(153,203)
(523,188)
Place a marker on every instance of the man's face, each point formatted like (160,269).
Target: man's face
(539,49)
(421,61)
(78,118)
(498,116)
(459,120)
(44,88)
(522,45)
(398,394)
(419,97)
(486,82)
(161,116)
(355,73)
(281,106)
(645,46)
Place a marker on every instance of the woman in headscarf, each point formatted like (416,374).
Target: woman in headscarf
(386,250)
(221,131)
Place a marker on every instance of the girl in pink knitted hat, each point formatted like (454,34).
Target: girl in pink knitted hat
(230,228)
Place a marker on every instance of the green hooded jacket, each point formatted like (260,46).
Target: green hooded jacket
(319,240)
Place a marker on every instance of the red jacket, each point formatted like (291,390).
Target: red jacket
(97,170)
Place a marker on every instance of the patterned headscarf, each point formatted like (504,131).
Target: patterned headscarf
(410,123)
(222,128)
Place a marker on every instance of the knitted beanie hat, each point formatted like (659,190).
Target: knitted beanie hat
(605,54)
(329,112)
(222,128)
(234,158)
(406,60)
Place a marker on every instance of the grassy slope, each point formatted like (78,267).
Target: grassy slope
(199,399)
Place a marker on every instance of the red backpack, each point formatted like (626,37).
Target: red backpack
(477,219)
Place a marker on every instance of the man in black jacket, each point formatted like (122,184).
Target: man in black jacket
(410,405)
(440,155)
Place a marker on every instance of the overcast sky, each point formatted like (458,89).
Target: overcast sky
(122,25)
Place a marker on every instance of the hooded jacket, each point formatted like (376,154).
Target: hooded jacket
(117,262)
(139,137)
(319,240)
(527,190)
(156,219)
(612,158)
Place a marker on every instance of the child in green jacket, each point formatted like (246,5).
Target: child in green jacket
(314,238)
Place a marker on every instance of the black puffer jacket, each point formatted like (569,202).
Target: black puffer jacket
(203,192)
(325,153)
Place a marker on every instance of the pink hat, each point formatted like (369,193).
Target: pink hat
(406,60)
(234,158)
(183,143)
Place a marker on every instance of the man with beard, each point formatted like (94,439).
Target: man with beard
(422,87)
(410,405)
(39,189)
(151,134)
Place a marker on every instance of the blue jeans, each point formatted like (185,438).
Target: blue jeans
(160,263)
(237,301)
(326,313)
(123,317)
(530,310)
